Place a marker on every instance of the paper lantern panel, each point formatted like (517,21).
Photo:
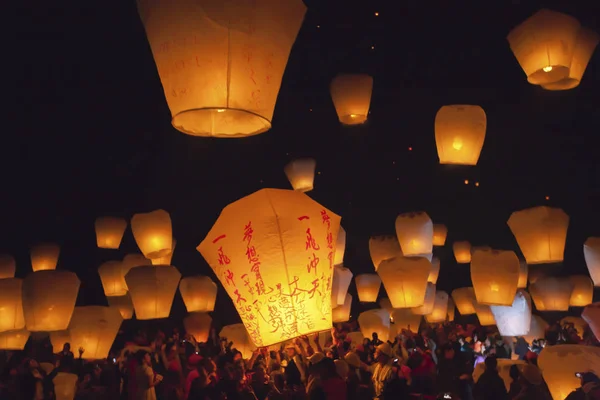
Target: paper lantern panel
(583,291)
(8,266)
(462,252)
(440,308)
(123,304)
(113,280)
(405,280)
(460,133)
(383,248)
(109,232)
(440,231)
(13,340)
(404,318)
(428,301)
(415,234)
(514,320)
(166,260)
(464,299)
(301,174)
(153,233)
(198,325)
(523,274)
(351,95)
(342,277)
(94,328)
(495,275)
(367,286)
(340,247)
(342,313)
(199,293)
(554,293)
(44,257)
(11,304)
(58,339)
(375,321)
(152,289)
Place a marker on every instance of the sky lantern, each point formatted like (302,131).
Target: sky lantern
(439,234)
(523,274)
(541,233)
(375,321)
(367,286)
(514,320)
(123,304)
(495,275)
(113,281)
(464,299)
(536,296)
(484,315)
(591,252)
(386,304)
(133,260)
(11,304)
(554,293)
(199,293)
(273,251)
(404,318)
(451,309)
(48,299)
(58,339)
(44,256)
(428,301)
(340,247)
(301,173)
(153,233)
(440,308)
(221,62)
(242,342)
(14,340)
(342,313)
(351,95)
(415,234)
(434,273)
(166,260)
(8,266)
(152,289)
(94,328)
(460,133)
(591,315)
(537,329)
(198,325)
(109,232)
(583,291)
(383,248)
(405,280)
(342,277)
(65,385)
(462,252)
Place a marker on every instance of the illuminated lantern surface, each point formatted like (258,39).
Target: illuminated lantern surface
(48,300)
(199,293)
(435,270)
(58,340)
(113,281)
(523,274)
(404,318)
(484,315)
(340,247)
(11,304)
(451,309)
(65,386)
(351,95)
(541,233)
(94,328)
(405,280)
(123,304)
(514,320)
(428,301)
(301,174)
(342,277)
(238,334)
(591,252)
(109,232)
(383,248)
(198,325)
(495,275)
(367,286)
(591,315)
(504,366)
(554,293)
(13,340)
(460,133)
(134,260)
(44,257)
(342,313)
(559,364)
(386,304)
(415,234)
(578,323)
(153,233)
(166,260)
(440,231)
(583,291)
(8,266)
(464,299)
(537,330)
(440,308)
(462,252)
(283,243)
(536,297)
(221,62)
(152,289)
(375,321)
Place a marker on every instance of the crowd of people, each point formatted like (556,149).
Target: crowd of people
(436,363)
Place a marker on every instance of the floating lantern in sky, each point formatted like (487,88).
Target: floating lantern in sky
(14,340)
(462,252)
(351,95)
(198,325)
(415,234)
(523,274)
(536,297)
(199,293)
(113,281)
(152,289)
(153,233)
(460,133)
(440,308)
(213,85)
(301,174)
(451,309)
(404,318)
(514,320)
(464,299)
(405,280)
(44,257)
(340,247)
(495,275)
(553,293)
(428,301)
(434,273)
(242,342)
(134,260)
(8,266)
(94,328)
(65,385)
(383,248)
(166,260)
(439,234)
(342,313)
(109,232)
(591,252)
(11,304)
(583,290)
(541,233)
(342,277)
(367,286)
(484,315)
(273,251)
(375,321)
(123,304)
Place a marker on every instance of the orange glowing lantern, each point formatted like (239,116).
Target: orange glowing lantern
(198,325)
(166,260)
(435,270)
(367,286)
(199,293)
(351,95)
(65,385)
(591,315)
(583,290)
(440,308)
(591,252)
(238,334)
(94,328)
(342,277)
(383,248)
(523,274)
(484,315)
(415,234)
(152,289)
(405,280)
(553,293)
(462,252)
(58,339)
(8,266)
(464,299)
(14,340)
(340,247)
(153,233)
(460,133)
(342,313)
(514,320)
(428,301)
(495,275)
(301,174)
(439,234)
(404,318)
(11,304)
(123,304)
(375,321)
(44,257)
(109,232)
(113,281)
(134,260)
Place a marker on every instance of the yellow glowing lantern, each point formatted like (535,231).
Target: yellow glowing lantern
(464,299)
(415,234)
(65,385)
(94,328)
(134,260)
(11,304)
(439,234)
(342,313)
(340,247)
(541,233)
(428,301)
(367,286)
(375,321)
(153,233)
(301,173)
(514,320)
(166,260)
(495,275)
(451,309)
(554,293)
(48,300)
(351,95)
(109,232)
(8,266)
(198,325)
(123,304)
(462,252)
(405,280)
(578,323)
(460,133)
(404,318)
(440,308)
(13,340)
(523,274)
(152,289)
(435,270)
(238,334)
(273,252)
(484,315)
(591,252)
(583,290)
(342,277)
(58,339)
(383,248)
(44,257)
(221,62)
(199,293)
(113,281)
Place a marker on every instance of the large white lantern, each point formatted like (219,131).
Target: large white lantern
(152,289)
(591,253)
(415,234)
(301,173)
(199,293)
(109,232)
(351,95)
(514,320)
(375,321)
(495,275)
(94,328)
(367,286)
(11,304)
(383,248)
(460,133)
(153,233)
(405,280)
(342,277)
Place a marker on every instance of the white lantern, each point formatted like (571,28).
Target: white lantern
(415,234)
(301,174)
(404,318)
(375,321)
(460,133)
(428,302)
(167,259)
(367,286)
(123,304)
(198,325)
(44,257)
(484,315)
(554,293)
(13,340)
(351,95)
(495,275)
(405,280)
(132,261)
(109,232)
(383,248)
(113,280)
(516,319)
(342,277)
(591,315)
(58,339)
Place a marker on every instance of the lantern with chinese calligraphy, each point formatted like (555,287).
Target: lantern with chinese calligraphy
(578,323)
(462,252)
(495,275)
(123,304)
(351,95)
(375,321)
(301,173)
(342,313)
(44,257)
(11,304)
(199,293)
(94,328)
(404,318)
(435,270)
(415,234)
(342,277)
(460,133)
(537,329)
(451,309)
(514,320)
(274,249)
(134,260)
(484,315)
(238,334)
(153,233)
(198,325)
(48,299)
(439,234)
(383,248)
(541,233)
(591,253)
(405,280)
(583,290)
(367,286)
(340,247)
(464,299)
(440,308)
(65,385)
(58,340)
(554,293)
(113,281)
(152,289)
(109,232)
(221,62)
(523,273)
(8,266)
(166,260)
(428,301)
(13,340)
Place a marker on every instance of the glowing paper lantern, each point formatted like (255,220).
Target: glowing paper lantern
(495,275)
(11,304)
(13,340)
(8,266)
(198,325)
(583,291)
(48,300)
(428,301)
(537,330)
(404,318)
(113,281)
(504,366)
(591,315)
(221,62)
(65,386)
(405,280)
(340,247)
(578,323)
(484,315)
(153,233)
(166,260)
(199,293)
(152,289)
(516,319)
(537,298)
(541,233)
(435,270)
(386,304)
(238,334)
(415,234)
(554,293)
(282,243)
(464,299)
(123,304)
(351,95)
(134,260)
(439,234)
(301,174)
(44,257)
(58,340)
(451,309)
(367,286)
(440,308)
(342,277)
(109,232)
(383,248)
(591,252)
(460,133)
(94,328)
(375,321)
(462,252)
(342,313)
(523,274)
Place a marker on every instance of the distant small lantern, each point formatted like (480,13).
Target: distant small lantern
(583,291)
(434,273)
(152,289)
(591,253)
(464,299)
(385,247)
(451,310)
(404,318)
(94,328)
(367,286)
(340,247)
(342,313)
(123,304)
(214,85)
(166,260)
(238,334)
(541,233)
(199,293)
(153,233)
(342,277)
(375,321)
(415,234)
(14,340)
(351,95)
(109,232)
(134,260)
(8,266)
(554,293)
(514,320)
(301,174)
(460,133)
(428,301)
(440,308)
(113,281)
(462,252)
(65,385)
(405,280)
(537,329)
(495,275)
(484,315)
(523,274)
(198,325)
(439,234)
(44,257)
(11,304)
